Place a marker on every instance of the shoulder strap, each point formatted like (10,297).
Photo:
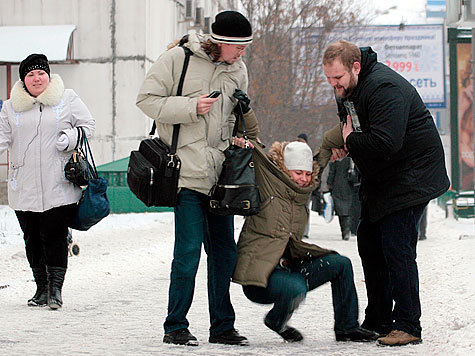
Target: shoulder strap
(176,127)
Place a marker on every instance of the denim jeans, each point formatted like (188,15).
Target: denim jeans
(388,254)
(194,226)
(287,288)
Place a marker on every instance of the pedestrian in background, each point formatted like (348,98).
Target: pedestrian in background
(206,126)
(423,225)
(398,151)
(304,138)
(38,125)
(341,190)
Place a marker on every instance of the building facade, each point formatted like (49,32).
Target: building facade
(113,45)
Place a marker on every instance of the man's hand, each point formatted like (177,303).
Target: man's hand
(338,153)
(243,101)
(204,104)
(347,128)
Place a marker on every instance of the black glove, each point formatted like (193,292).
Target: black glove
(243,101)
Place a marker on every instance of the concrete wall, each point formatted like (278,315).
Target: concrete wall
(115,42)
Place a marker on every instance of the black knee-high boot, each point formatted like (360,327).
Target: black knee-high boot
(55,284)
(41,296)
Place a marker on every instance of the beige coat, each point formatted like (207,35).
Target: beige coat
(202,138)
(29,129)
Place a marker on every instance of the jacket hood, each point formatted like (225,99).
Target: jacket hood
(368,59)
(22,101)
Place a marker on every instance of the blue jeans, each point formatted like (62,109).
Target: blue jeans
(194,226)
(287,288)
(388,254)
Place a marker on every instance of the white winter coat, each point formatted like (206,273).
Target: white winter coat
(29,129)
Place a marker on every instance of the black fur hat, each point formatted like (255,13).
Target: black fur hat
(231,27)
(32,62)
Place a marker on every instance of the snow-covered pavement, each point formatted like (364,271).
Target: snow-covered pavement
(115,295)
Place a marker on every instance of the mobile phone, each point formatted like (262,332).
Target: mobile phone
(214,94)
(350,109)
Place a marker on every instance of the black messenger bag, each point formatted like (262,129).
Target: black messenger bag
(153,173)
(154,169)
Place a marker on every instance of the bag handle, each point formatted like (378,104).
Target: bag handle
(84,147)
(240,117)
(176,127)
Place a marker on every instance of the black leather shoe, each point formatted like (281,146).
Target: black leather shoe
(358,335)
(291,334)
(180,337)
(230,337)
(288,333)
(382,329)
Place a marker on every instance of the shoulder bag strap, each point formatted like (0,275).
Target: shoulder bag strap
(176,127)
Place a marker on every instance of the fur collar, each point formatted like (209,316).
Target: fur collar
(22,101)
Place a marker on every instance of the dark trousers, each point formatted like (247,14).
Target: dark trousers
(286,289)
(196,226)
(46,235)
(388,254)
(345,225)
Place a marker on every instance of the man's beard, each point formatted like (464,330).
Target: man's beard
(351,86)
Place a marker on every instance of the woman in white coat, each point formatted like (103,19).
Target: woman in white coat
(38,125)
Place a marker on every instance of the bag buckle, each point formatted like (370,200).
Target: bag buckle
(171,162)
(247,204)
(213,203)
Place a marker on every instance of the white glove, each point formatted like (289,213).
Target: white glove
(62,143)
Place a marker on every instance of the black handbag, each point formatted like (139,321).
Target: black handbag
(153,173)
(94,204)
(77,170)
(154,169)
(236,192)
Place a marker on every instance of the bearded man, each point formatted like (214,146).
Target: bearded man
(393,141)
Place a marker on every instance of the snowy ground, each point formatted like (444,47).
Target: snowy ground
(115,295)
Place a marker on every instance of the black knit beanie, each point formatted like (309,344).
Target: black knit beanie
(231,27)
(32,62)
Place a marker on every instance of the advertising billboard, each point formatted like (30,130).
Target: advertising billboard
(465,115)
(414,51)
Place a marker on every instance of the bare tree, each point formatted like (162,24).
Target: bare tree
(287,86)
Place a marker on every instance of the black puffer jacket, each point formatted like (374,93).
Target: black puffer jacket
(399,153)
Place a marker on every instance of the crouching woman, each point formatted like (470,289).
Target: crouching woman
(274,265)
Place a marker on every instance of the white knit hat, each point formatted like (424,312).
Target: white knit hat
(298,156)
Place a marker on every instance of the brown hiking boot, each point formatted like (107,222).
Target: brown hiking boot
(398,338)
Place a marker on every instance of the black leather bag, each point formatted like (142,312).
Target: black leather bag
(236,192)
(153,173)
(154,169)
(78,170)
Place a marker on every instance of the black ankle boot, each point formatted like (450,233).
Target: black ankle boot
(55,284)
(41,296)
